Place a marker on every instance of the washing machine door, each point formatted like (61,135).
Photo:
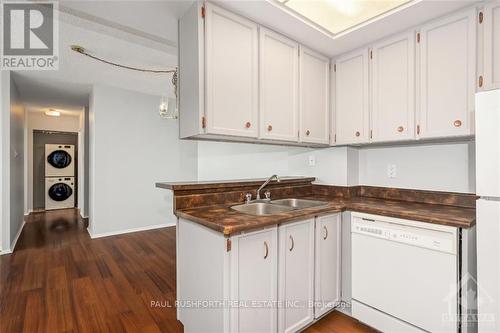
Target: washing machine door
(60,192)
(59,159)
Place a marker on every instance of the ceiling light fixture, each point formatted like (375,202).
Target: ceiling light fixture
(349,8)
(52,113)
(165,110)
(336,16)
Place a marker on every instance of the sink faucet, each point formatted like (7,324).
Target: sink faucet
(265,184)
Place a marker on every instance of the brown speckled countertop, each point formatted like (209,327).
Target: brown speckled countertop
(209,203)
(228,221)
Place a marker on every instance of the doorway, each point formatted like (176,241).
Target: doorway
(40,140)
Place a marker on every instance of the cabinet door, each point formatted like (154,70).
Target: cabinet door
(491,18)
(231,51)
(447,76)
(254,279)
(314,84)
(327,266)
(393,89)
(296,271)
(351,98)
(279,87)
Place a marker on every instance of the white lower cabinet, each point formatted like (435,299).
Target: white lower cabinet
(327,264)
(296,275)
(254,279)
(269,279)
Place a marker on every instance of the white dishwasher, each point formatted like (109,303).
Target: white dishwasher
(404,274)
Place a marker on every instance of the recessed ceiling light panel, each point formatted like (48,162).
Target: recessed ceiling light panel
(339,15)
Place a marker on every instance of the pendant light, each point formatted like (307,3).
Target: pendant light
(167,109)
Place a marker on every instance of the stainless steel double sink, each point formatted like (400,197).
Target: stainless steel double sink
(277,206)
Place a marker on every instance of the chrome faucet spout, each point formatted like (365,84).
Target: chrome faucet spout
(265,184)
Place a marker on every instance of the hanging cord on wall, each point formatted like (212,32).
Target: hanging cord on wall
(81,50)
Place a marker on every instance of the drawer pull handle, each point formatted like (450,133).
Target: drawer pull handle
(358,134)
(326,232)
(266,248)
(401,129)
(248,124)
(293,243)
(457,123)
(368,220)
(269,128)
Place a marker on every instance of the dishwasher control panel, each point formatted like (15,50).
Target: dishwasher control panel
(431,239)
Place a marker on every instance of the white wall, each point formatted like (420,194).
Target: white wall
(221,160)
(225,160)
(330,167)
(439,167)
(83,163)
(132,148)
(37,120)
(16,159)
(4,157)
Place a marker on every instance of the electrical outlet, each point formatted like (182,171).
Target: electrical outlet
(312,160)
(391,170)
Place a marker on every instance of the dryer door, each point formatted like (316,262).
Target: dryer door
(59,159)
(60,192)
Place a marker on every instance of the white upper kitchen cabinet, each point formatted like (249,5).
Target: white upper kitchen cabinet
(351,98)
(296,275)
(314,82)
(279,87)
(254,263)
(393,89)
(231,59)
(327,266)
(491,56)
(447,76)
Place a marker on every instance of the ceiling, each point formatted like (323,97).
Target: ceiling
(139,33)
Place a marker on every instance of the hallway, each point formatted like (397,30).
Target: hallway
(60,280)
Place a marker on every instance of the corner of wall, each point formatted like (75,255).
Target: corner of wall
(352,166)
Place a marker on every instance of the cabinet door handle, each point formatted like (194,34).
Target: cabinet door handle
(248,124)
(401,129)
(293,243)
(326,232)
(269,128)
(266,248)
(308,132)
(358,134)
(457,123)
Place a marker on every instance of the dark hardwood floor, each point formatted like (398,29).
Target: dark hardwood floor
(60,280)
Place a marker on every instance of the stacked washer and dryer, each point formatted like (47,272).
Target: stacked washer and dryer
(59,176)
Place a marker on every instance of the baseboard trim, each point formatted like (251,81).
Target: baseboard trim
(14,242)
(127,231)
